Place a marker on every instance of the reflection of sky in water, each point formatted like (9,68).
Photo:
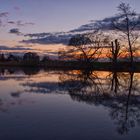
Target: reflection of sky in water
(64,111)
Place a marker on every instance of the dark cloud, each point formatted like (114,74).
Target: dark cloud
(29,23)
(20,23)
(11,22)
(84,28)
(20,48)
(107,23)
(39,35)
(63,37)
(15,31)
(54,38)
(4,14)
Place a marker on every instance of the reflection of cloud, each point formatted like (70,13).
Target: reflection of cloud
(16,94)
(43,87)
(6,105)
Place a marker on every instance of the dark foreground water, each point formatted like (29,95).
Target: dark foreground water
(69,105)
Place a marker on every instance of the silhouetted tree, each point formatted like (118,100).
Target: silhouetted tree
(114,52)
(115,82)
(82,83)
(12,57)
(86,47)
(127,23)
(31,58)
(45,59)
(2,57)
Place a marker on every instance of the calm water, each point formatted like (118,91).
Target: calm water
(69,105)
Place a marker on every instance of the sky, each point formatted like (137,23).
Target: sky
(49,16)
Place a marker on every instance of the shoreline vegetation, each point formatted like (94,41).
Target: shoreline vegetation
(73,65)
(32,60)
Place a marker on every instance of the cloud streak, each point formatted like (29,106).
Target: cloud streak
(15,31)
(63,37)
(20,23)
(4,14)
(49,38)
(18,48)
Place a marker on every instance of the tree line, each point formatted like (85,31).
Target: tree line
(30,58)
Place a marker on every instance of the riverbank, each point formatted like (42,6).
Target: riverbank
(70,65)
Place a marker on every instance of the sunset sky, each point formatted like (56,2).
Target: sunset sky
(22,17)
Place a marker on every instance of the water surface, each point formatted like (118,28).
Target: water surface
(69,105)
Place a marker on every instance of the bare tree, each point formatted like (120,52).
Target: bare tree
(115,52)
(87,47)
(127,23)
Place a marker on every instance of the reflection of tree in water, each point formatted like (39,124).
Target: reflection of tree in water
(126,112)
(15,70)
(125,115)
(81,83)
(120,93)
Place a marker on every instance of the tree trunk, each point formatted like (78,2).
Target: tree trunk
(131,53)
